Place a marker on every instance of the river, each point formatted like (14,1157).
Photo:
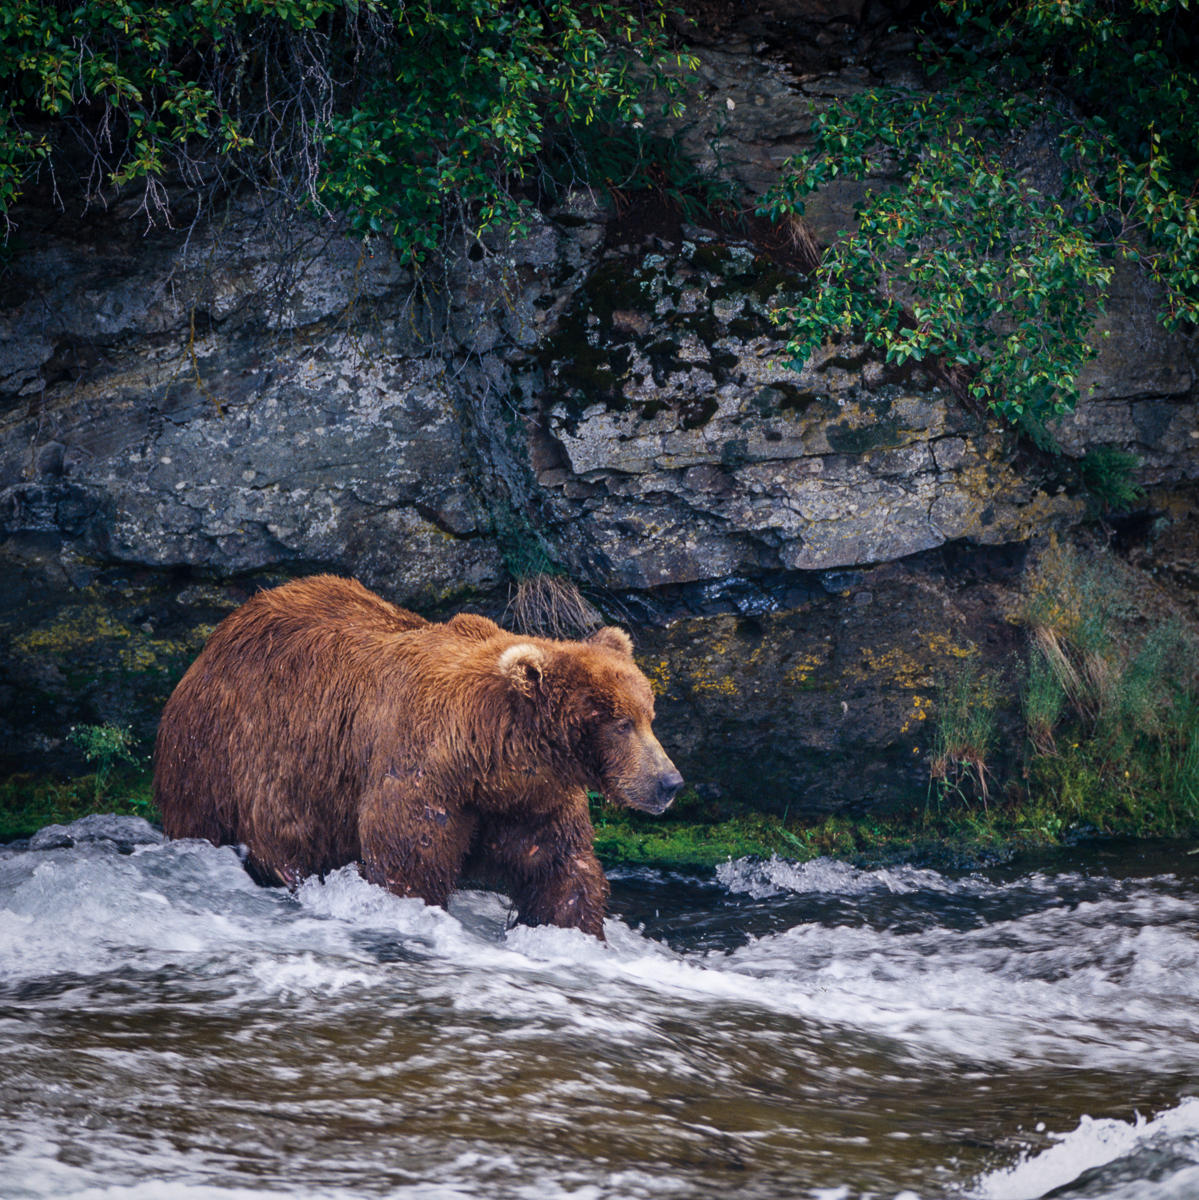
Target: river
(170,1030)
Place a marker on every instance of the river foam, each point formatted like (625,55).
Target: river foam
(851,1033)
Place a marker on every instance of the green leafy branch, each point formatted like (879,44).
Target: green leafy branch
(956,255)
(412,119)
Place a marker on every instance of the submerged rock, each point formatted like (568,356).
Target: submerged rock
(125,832)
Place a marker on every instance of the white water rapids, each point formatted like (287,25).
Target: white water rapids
(170,1030)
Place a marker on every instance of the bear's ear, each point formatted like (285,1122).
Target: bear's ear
(523,666)
(613,638)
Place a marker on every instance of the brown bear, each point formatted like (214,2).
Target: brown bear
(322,725)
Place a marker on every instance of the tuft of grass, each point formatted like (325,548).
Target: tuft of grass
(1044,699)
(965,732)
(1111,700)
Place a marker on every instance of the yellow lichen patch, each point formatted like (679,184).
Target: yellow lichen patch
(711,674)
(657,671)
(73,629)
(895,664)
(139,656)
(904,668)
(704,678)
(922,708)
(719,687)
(148,654)
(93,627)
(939,643)
(802,670)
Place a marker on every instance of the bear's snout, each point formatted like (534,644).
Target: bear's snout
(659,784)
(668,787)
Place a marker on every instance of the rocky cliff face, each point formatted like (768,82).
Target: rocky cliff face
(185,417)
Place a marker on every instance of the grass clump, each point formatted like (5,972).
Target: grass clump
(965,733)
(551,605)
(1110,708)
(1109,699)
(1112,701)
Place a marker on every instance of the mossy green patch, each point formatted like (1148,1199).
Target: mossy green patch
(31,802)
(946,833)
(73,629)
(623,838)
(632,840)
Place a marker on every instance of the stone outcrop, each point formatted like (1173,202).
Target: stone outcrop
(672,443)
(162,413)
(185,416)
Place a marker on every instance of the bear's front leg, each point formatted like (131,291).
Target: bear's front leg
(410,843)
(571,893)
(550,869)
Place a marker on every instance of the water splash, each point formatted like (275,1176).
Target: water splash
(1141,1159)
(171,1029)
(774,876)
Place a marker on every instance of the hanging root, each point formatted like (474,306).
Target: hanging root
(551,606)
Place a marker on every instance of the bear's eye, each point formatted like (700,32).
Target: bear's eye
(624,725)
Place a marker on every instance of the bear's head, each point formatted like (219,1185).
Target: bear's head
(596,698)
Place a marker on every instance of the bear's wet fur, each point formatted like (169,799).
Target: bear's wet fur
(322,726)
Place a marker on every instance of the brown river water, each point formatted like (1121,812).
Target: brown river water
(170,1030)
